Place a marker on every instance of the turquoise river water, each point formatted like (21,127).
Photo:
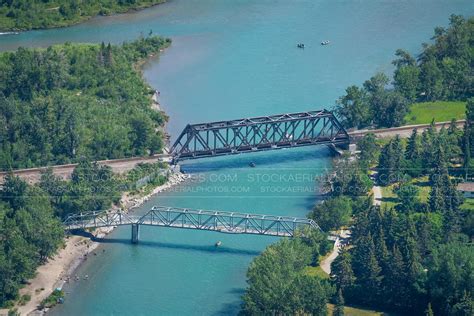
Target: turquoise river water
(232,59)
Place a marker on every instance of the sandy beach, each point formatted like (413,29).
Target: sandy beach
(60,268)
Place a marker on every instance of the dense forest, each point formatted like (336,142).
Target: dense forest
(37,14)
(30,215)
(70,101)
(417,254)
(279,284)
(443,71)
(413,254)
(29,234)
(30,226)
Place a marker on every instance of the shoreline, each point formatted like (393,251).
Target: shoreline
(81,20)
(60,268)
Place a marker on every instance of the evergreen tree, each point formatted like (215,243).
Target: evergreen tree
(108,57)
(413,146)
(339,306)
(429,310)
(413,155)
(451,278)
(367,269)
(392,162)
(395,280)
(372,279)
(428,142)
(466,149)
(468,137)
(408,197)
(341,270)
(465,306)
(381,250)
(368,151)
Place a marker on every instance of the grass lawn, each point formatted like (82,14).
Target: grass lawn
(440,111)
(316,271)
(389,198)
(353,311)
(468,204)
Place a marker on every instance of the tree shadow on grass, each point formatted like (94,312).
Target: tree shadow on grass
(390,199)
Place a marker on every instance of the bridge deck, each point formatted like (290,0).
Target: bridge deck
(217,221)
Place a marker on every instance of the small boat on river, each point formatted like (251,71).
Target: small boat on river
(252,164)
(218,243)
(324,43)
(300,45)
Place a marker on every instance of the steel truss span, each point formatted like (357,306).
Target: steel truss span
(258,134)
(218,221)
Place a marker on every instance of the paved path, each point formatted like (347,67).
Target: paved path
(376,190)
(326,263)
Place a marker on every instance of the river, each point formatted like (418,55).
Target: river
(233,59)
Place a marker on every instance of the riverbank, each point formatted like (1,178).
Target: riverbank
(60,269)
(13,19)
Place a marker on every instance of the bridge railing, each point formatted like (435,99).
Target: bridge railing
(98,219)
(218,221)
(225,222)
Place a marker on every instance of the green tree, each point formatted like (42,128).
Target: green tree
(413,155)
(353,108)
(63,103)
(392,162)
(406,76)
(431,80)
(339,308)
(369,151)
(451,277)
(277,284)
(29,234)
(468,137)
(332,213)
(395,279)
(341,270)
(408,197)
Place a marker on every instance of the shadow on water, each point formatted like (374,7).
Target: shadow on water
(229,309)
(234,307)
(309,202)
(155,244)
(266,159)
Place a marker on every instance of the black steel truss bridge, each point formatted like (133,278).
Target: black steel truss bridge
(217,221)
(258,134)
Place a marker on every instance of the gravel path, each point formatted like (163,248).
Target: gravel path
(326,263)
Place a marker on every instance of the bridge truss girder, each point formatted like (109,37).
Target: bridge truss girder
(259,133)
(218,221)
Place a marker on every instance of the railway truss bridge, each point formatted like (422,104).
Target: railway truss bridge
(217,221)
(259,134)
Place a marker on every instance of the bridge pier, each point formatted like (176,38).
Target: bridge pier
(135,233)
